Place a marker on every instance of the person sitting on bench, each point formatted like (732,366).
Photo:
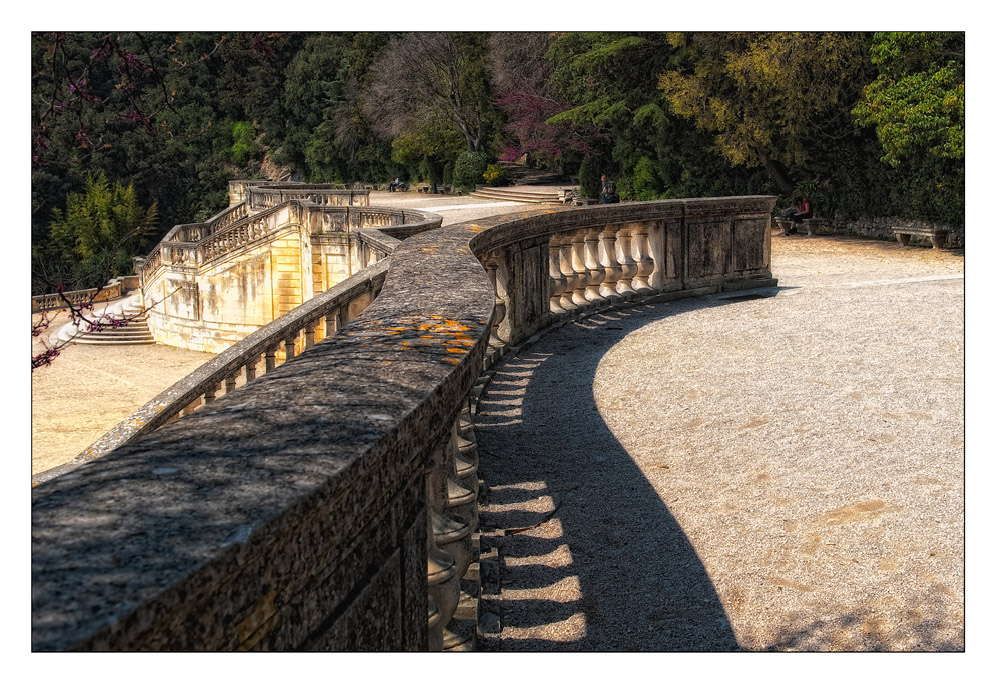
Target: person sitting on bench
(805,211)
(802,210)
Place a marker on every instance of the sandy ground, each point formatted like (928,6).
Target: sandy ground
(784,473)
(88,389)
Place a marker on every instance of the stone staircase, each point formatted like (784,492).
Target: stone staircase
(135,331)
(531,195)
(527,185)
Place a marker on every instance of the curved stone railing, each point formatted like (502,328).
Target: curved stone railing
(330,504)
(268,195)
(187,234)
(47,302)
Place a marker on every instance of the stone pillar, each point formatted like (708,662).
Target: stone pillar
(627,267)
(558,280)
(596,271)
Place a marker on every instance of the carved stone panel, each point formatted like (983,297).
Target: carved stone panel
(749,244)
(529,288)
(665,248)
(708,248)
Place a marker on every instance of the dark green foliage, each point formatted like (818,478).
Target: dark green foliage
(866,124)
(646,185)
(590,176)
(468,170)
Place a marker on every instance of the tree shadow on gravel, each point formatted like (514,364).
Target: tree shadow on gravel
(611,570)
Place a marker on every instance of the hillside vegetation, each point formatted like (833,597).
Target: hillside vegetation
(146,128)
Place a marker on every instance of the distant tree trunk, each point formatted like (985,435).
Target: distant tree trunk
(778,173)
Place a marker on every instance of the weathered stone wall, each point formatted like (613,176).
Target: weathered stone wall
(292,514)
(230,278)
(881,229)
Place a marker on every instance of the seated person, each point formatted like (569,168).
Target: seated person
(805,211)
(802,210)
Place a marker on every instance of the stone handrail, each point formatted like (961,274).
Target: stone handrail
(273,194)
(190,233)
(47,302)
(329,505)
(224,234)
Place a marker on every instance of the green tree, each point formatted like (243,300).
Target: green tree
(95,237)
(917,101)
(765,96)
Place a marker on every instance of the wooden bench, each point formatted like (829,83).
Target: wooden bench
(938,236)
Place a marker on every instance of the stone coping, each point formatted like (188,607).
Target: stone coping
(195,536)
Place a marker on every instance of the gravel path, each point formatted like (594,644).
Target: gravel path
(777,473)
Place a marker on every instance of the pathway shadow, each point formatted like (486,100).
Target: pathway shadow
(612,569)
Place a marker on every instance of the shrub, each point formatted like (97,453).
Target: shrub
(469,169)
(646,185)
(244,146)
(494,174)
(590,176)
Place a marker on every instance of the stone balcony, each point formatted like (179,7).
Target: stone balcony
(330,503)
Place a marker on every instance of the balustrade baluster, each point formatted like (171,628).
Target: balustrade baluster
(330,324)
(495,341)
(435,625)
(465,454)
(309,336)
(209,395)
(627,267)
(449,545)
(607,257)
(596,272)
(271,359)
(570,278)
(558,281)
(580,271)
(251,369)
(644,262)
(461,499)
(289,348)
(230,383)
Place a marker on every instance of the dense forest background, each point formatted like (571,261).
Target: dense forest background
(133,133)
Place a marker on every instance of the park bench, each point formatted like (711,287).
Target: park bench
(937,236)
(813,225)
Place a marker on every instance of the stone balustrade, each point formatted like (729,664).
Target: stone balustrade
(265,196)
(330,504)
(48,302)
(246,268)
(259,353)
(190,234)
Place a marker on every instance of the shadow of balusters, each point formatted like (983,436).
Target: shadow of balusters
(590,557)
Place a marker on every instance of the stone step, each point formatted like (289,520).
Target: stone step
(512,194)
